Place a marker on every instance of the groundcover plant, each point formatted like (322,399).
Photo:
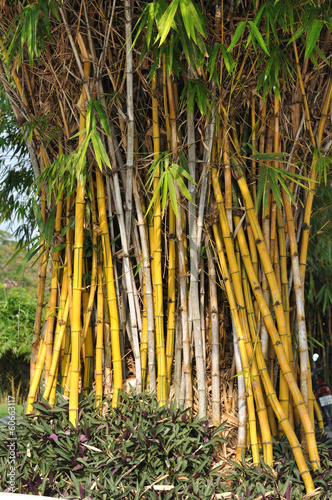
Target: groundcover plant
(176,148)
(143,450)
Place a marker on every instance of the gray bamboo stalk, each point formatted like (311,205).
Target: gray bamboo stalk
(76,55)
(148,290)
(130,115)
(139,260)
(215,370)
(208,141)
(300,316)
(183,306)
(177,360)
(242,398)
(194,304)
(202,304)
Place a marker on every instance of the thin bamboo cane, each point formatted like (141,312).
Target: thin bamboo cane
(148,293)
(61,327)
(88,344)
(42,267)
(93,279)
(130,117)
(65,352)
(215,345)
(144,345)
(99,337)
(54,387)
(170,338)
(53,294)
(283,390)
(36,379)
(242,402)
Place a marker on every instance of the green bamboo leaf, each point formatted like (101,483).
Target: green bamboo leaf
(256,34)
(313,36)
(202,48)
(141,23)
(88,116)
(238,32)
(19,250)
(187,19)
(96,150)
(285,188)
(260,187)
(321,55)
(182,171)
(180,182)
(167,21)
(103,117)
(296,35)
(275,190)
(58,248)
(38,217)
(183,162)
(138,267)
(35,249)
(197,18)
(49,229)
(269,156)
(54,11)
(150,16)
(212,61)
(165,190)
(156,192)
(172,194)
(228,60)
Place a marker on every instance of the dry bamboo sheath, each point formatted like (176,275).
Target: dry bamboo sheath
(168,155)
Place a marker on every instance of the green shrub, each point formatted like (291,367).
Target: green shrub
(119,455)
(137,451)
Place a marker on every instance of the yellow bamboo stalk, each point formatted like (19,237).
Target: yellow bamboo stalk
(170,339)
(284,422)
(110,287)
(242,346)
(99,338)
(61,328)
(53,292)
(36,379)
(65,351)
(54,387)
(275,338)
(144,338)
(156,264)
(264,418)
(77,276)
(88,344)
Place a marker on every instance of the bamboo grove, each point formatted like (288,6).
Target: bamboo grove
(176,148)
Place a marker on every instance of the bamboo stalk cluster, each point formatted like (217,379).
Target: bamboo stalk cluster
(174,216)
